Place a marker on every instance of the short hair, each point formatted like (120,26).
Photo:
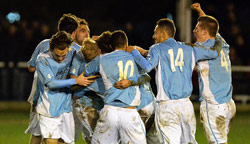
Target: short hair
(82,21)
(118,39)
(103,42)
(89,49)
(167,25)
(60,40)
(210,24)
(68,23)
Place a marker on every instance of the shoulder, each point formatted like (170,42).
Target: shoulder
(44,42)
(75,46)
(43,55)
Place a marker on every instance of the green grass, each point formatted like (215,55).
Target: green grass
(13,125)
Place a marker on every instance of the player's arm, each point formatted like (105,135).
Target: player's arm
(139,80)
(148,63)
(42,46)
(204,53)
(47,77)
(92,67)
(142,51)
(197,7)
(31,68)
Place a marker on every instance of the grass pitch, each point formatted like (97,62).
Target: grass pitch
(13,123)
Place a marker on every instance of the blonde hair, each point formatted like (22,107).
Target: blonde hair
(89,49)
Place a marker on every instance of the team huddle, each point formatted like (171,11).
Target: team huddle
(99,87)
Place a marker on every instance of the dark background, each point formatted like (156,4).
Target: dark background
(136,17)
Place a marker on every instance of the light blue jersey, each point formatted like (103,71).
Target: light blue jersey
(75,46)
(53,101)
(215,80)
(174,62)
(77,68)
(114,67)
(41,47)
(147,96)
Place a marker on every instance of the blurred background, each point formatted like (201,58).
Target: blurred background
(23,24)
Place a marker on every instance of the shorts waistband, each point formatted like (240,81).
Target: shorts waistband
(173,101)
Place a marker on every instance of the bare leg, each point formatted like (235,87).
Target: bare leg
(35,139)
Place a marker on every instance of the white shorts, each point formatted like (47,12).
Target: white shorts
(34,88)
(215,119)
(119,123)
(175,121)
(85,120)
(147,111)
(58,127)
(34,126)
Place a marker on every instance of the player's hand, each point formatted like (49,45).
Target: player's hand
(122,84)
(130,49)
(142,51)
(85,81)
(197,7)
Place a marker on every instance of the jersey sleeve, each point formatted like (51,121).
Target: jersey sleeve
(225,45)
(56,84)
(76,63)
(92,67)
(41,47)
(141,61)
(139,80)
(80,92)
(202,53)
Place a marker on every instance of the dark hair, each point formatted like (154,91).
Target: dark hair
(210,24)
(82,21)
(118,39)
(68,23)
(167,25)
(60,40)
(103,42)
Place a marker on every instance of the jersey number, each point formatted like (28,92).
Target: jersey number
(178,60)
(124,72)
(223,60)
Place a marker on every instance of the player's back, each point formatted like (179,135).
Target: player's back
(215,76)
(176,61)
(175,68)
(114,67)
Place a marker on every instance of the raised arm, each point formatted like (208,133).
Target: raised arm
(197,7)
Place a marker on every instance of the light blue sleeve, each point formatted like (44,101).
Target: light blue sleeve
(225,45)
(41,47)
(76,63)
(139,80)
(141,61)
(55,84)
(92,67)
(203,53)
(81,91)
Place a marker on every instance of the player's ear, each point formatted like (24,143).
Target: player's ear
(73,35)
(205,32)
(99,51)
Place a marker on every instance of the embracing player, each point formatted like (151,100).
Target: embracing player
(217,106)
